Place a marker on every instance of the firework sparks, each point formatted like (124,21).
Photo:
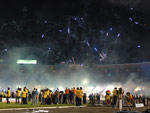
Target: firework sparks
(42,36)
(118,35)
(130,19)
(60,30)
(107,34)
(139,46)
(68,29)
(96,49)
(131,8)
(136,23)
(45,22)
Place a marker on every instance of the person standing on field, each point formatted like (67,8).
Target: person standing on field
(8,95)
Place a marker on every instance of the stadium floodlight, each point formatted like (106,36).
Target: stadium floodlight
(85,82)
(26,61)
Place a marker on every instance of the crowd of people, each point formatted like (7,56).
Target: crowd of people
(46,96)
(112,98)
(71,96)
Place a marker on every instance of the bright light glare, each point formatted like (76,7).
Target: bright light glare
(52,89)
(26,61)
(137,89)
(61,89)
(110,88)
(85,82)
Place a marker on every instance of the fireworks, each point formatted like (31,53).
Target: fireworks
(142,20)
(130,19)
(96,49)
(60,30)
(42,36)
(111,29)
(45,22)
(131,9)
(68,30)
(107,34)
(89,37)
(88,44)
(139,46)
(103,56)
(136,22)
(118,35)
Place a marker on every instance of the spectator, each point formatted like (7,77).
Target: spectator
(34,97)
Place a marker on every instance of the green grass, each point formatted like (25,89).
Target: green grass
(13,105)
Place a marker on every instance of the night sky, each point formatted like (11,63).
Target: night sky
(88,31)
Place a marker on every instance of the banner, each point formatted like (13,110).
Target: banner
(11,100)
(139,105)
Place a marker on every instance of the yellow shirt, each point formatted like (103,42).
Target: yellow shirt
(81,93)
(114,92)
(130,99)
(45,94)
(78,93)
(2,94)
(49,93)
(5,94)
(26,90)
(24,94)
(8,93)
(107,97)
(18,93)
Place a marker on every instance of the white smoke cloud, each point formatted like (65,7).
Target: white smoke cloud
(41,76)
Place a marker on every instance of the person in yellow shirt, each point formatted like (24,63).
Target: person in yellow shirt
(24,96)
(77,97)
(8,95)
(129,98)
(27,92)
(18,95)
(81,96)
(49,97)
(2,94)
(114,97)
(44,96)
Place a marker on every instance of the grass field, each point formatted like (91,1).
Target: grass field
(13,105)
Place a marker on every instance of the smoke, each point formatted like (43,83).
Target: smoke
(99,78)
(15,75)
(132,84)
